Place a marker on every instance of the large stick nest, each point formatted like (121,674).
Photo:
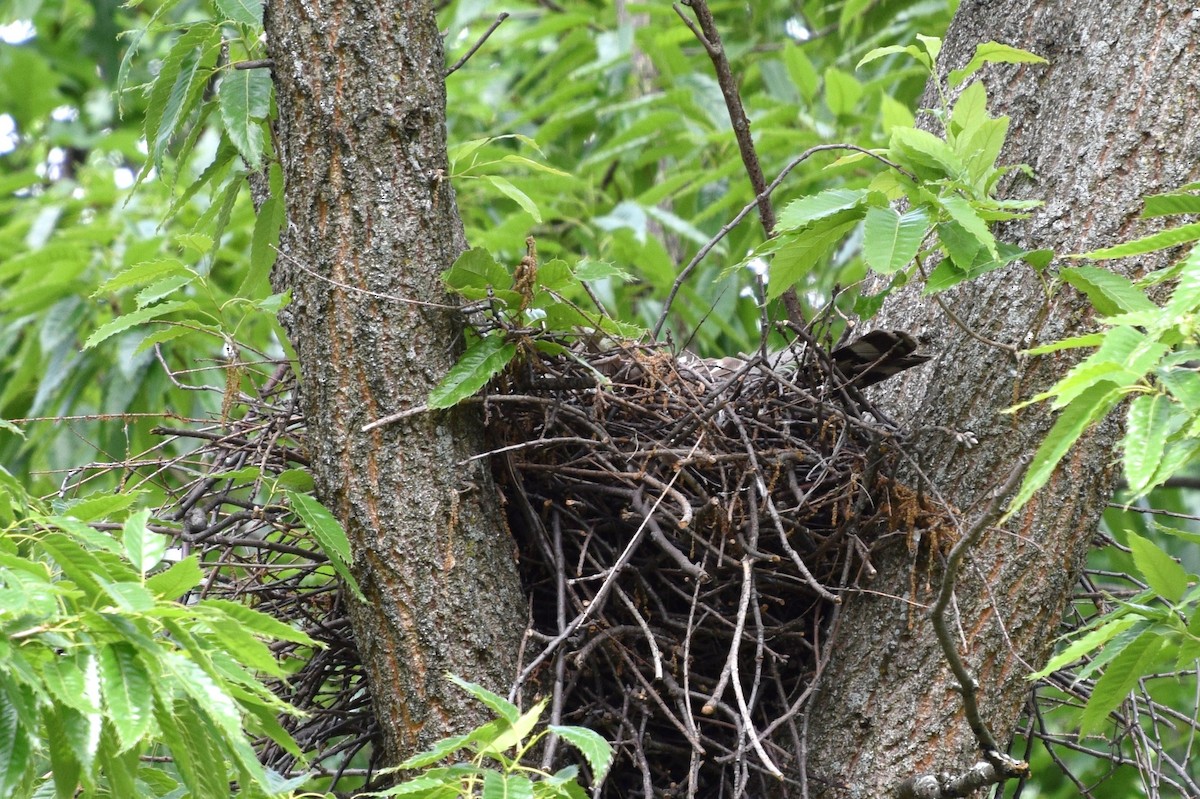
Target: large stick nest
(686,528)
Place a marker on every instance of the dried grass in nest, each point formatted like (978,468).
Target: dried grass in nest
(685,530)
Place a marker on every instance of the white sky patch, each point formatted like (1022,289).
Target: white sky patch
(17,32)
(8,134)
(65,113)
(797,30)
(123,177)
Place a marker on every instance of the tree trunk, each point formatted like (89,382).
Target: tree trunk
(1105,123)
(372,224)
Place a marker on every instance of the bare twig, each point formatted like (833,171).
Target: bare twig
(478,43)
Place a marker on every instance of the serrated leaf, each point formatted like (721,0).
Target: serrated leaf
(15,747)
(1152,243)
(477,269)
(1091,405)
(597,751)
(498,705)
(65,769)
(244,100)
(247,12)
(516,195)
(1119,678)
(506,786)
(1171,203)
(143,273)
(517,731)
(101,506)
(126,688)
(891,241)
(1166,577)
(143,548)
(256,621)
(799,213)
(969,220)
(177,580)
(140,316)
(1089,340)
(992,53)
(1147,427)
(442,749)
(920,148)
(589,269)
(263,247)
(797,253)
(482,361)
(329,534)
(1108,291)
(1185,298)
(1085,645)
(892,49)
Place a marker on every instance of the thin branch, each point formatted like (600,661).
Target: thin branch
(479,43)
(969,687)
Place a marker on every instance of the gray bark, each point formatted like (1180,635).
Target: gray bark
(361,132)
(1108,121)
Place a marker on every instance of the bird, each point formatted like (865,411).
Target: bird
(869,359)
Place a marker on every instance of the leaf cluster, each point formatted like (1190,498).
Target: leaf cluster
(109,655)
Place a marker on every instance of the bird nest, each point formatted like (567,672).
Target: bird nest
(686,528)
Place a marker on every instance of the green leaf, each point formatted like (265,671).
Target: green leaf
(477,269)
(1085,645)
(440,750)
(1091,405)
(247,12)
(1107,291)
(799,213)
(255,621)
(992,53)
(797,253)
(144,273)
(891,241)
(597,751)
(589,269)
(329,534)
(177,580)
(1170,204)
(517,732)
(65,769)
(143,548)
(498,705)
(135,318)
(482,361)
(263,247)
(1185,299)
(1146,430)
(1166,577)
(922,151)
(14,747)
(1089,340)
(842,92)
(516,195)
(245,100)
(962,212)
(127,696)
(1152,243)
(891,49)
(1121,677)
(506,786)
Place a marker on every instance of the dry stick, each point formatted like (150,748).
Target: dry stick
(735,677)
(937,613)
(467,55)
(605,587)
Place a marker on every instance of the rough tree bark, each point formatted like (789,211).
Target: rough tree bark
(1107,122)
(372,218)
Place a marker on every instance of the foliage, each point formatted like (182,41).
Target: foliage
(506,741)
(107,657)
